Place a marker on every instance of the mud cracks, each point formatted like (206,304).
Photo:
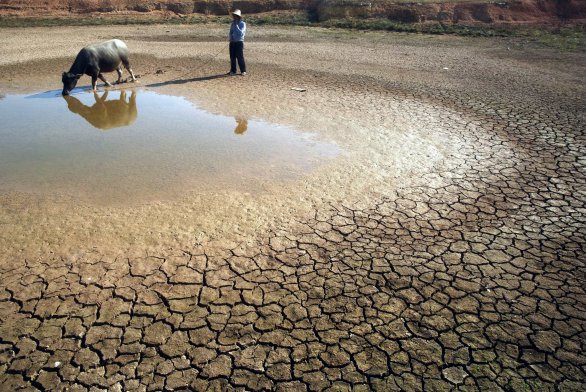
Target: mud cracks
(472,280)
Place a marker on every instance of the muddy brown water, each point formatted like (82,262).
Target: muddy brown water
(122,146)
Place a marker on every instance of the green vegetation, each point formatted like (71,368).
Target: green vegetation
(563,38)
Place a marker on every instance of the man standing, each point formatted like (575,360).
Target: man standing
(236,37)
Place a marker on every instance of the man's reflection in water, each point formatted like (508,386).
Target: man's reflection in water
(106,114)
(241,126)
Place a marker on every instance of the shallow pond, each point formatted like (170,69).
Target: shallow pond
(137,145)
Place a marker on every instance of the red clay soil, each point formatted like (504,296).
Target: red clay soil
(534,12)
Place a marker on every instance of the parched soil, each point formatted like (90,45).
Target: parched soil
(445,249)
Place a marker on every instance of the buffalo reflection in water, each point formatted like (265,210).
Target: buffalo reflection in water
(105,114)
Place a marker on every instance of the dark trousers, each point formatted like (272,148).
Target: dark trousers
(237,53)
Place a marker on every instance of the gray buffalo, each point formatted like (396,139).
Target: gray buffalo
(92,60)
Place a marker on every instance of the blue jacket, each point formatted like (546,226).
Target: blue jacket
(237,31)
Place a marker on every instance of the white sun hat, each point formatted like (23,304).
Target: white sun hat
(237,13)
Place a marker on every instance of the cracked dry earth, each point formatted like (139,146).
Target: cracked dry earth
(470,278)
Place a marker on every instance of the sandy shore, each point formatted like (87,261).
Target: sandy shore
(409,261)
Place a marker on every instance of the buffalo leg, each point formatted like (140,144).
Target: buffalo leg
(94,82)
(127,66)
(119,71)
(132,77)
(103,79)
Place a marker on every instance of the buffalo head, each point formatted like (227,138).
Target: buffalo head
(69,81)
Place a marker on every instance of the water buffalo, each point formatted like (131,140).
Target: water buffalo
(95,59)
